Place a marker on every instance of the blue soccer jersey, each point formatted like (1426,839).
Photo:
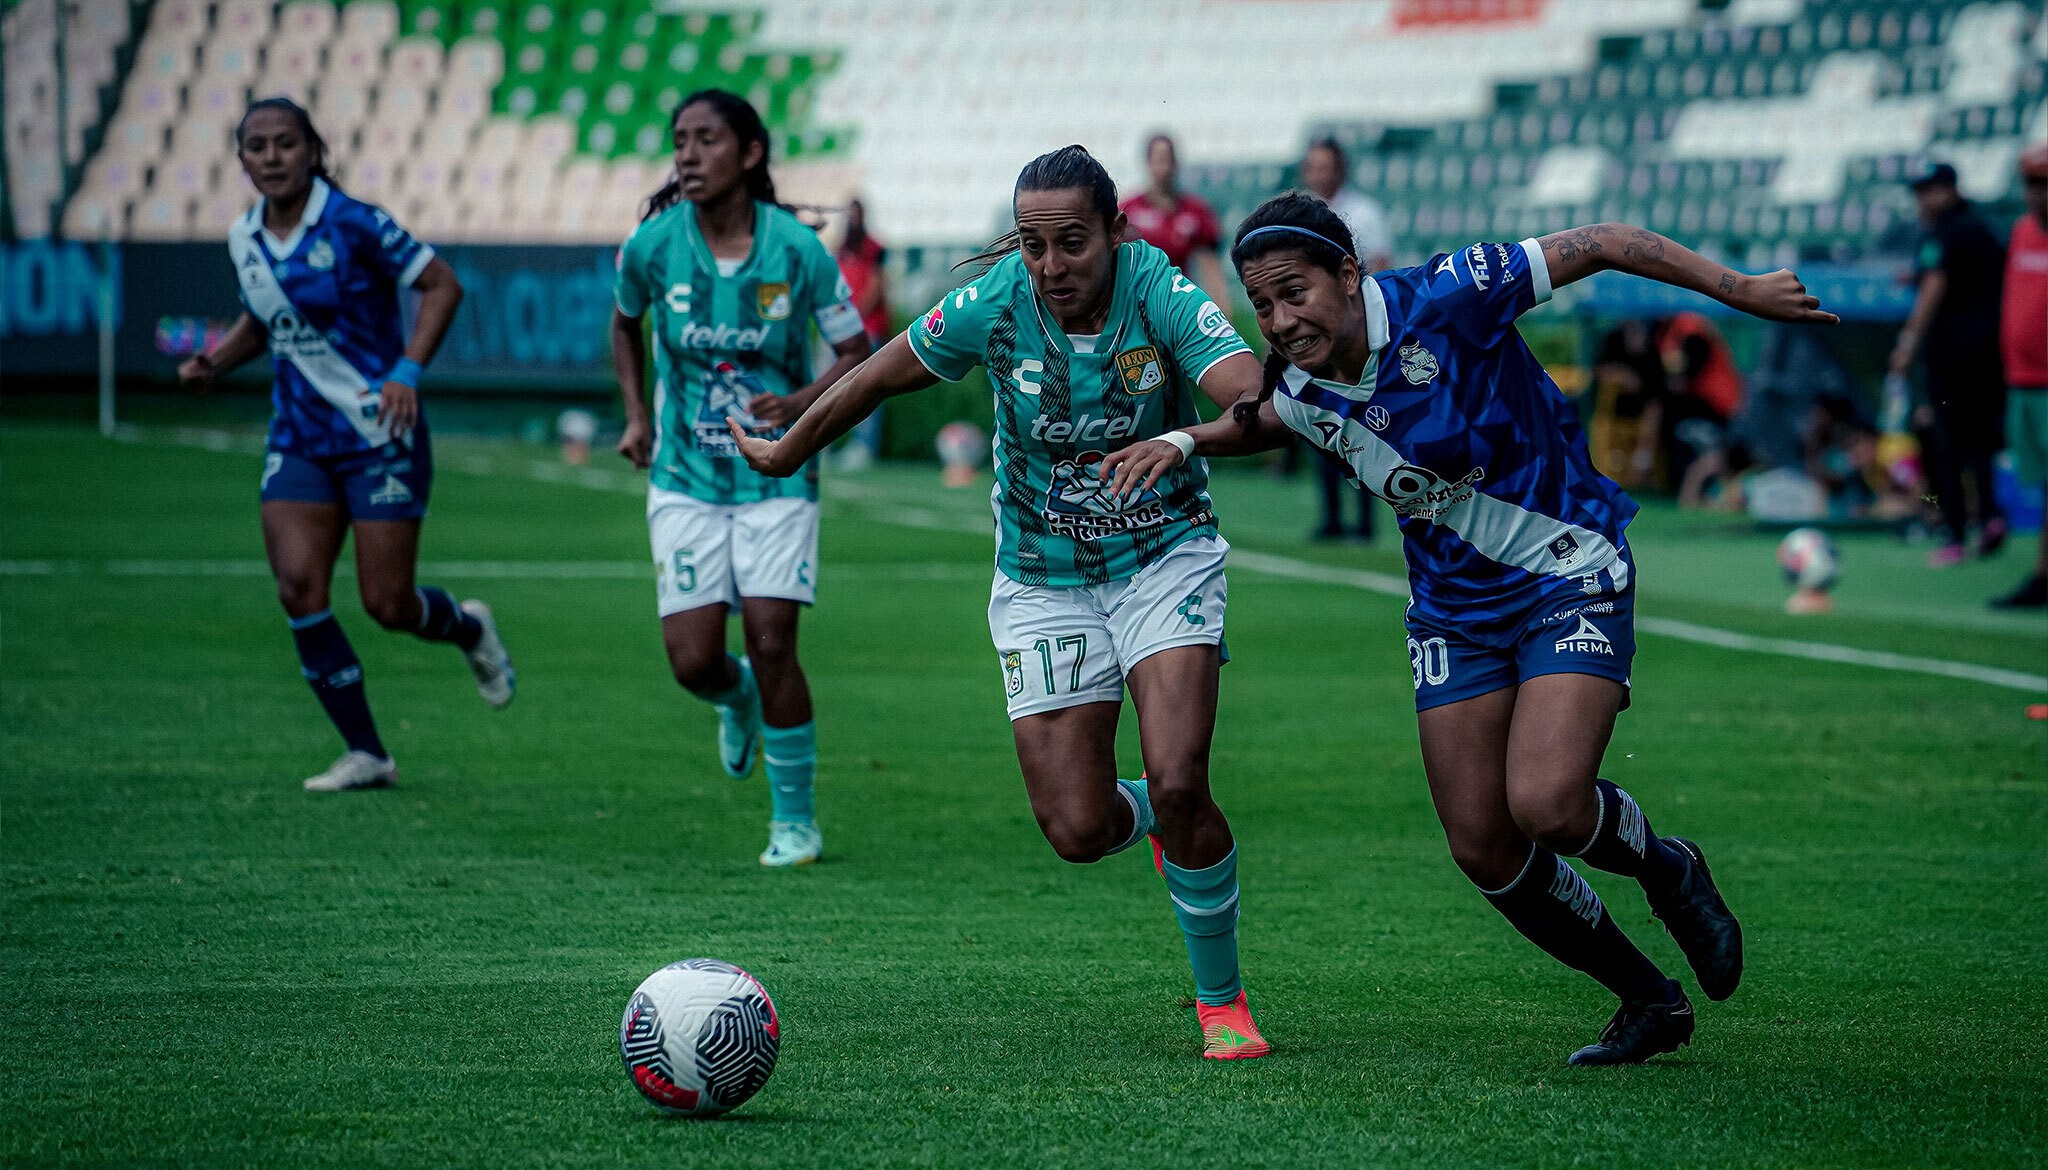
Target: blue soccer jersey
(328,294)
(1457,426)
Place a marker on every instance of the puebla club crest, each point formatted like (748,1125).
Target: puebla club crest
(1418,365)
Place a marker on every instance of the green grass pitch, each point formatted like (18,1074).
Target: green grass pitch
(202,965)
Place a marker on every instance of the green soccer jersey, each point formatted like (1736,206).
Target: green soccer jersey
(719,340)
(1062,403)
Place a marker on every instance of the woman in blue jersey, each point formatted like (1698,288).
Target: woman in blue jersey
(1520,619)
(320,276)
(734,283)
(1090,344)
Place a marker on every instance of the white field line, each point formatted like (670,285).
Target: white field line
(475,570)
(882,506)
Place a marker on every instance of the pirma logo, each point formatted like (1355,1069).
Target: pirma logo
(1587,639)
(393,492)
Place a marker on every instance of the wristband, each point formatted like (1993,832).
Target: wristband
(1182,442)
(405,373)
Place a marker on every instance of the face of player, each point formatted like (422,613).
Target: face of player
(277,155)
(1312,316)
(1320,173)
(1932,200)
(1162,163)
(711,161)
(1070,254)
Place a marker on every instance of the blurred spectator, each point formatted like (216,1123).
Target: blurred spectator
(1627,377)
(1325,171)
(1954,324)
(860,259)
(1797,408)
(1179,224)
(2024,342)
(1702,392)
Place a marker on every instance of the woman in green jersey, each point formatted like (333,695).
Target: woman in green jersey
(734,283)
(1091,344)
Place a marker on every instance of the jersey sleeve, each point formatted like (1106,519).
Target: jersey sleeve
(633,291)
(1198,333)
(952,339)
(831,299)
(1478,292)
(1931,255)
(387,247)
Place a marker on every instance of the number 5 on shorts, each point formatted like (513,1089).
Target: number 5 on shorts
(684,573)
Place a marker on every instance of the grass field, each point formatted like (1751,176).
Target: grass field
(203,965)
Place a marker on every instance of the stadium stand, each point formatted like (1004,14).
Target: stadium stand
(1762,127)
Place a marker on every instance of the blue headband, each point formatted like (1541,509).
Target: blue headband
(1255,233)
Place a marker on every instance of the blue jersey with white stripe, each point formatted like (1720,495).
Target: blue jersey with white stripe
(342,270)
(1457,425)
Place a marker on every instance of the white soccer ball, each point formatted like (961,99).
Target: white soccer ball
(699,1037)
(1809,559)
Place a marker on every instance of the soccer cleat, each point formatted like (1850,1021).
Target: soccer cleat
(1992,537)
(1228,1031)
(2032,594)
(488,659)
(792,843)
(1640,1031)
(1948,555)
(1702,925)
(739,730)
(354,770)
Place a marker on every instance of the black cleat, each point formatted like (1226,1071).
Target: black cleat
(1702,925)
(1640,1031)
(2032,594)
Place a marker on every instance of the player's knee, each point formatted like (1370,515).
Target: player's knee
(1546,816)
(301,594)
(1486,861)
(393,609)
(1075,839)
(698,671)
(773,647)
(1178,796)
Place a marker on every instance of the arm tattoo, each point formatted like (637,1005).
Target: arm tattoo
(1644,246)
(1570,244)
(1727,283)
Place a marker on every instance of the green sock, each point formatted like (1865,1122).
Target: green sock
(792,755)
(1205,901)
(1133,793)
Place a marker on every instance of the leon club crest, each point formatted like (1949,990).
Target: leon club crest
(772,301)
(1140,368)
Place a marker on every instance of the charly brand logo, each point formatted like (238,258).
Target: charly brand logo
(1418,365)
(678,298)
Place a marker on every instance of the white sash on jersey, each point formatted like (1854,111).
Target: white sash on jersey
(295,341)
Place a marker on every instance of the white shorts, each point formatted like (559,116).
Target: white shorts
(1062,647)
(715,554)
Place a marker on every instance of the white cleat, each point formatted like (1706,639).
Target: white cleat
(792,843)
(488,659)
(354,770)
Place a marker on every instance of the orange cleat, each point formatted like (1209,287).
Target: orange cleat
(1228,1031)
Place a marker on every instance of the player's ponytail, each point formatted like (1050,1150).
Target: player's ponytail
(744,121)
(305,121)
(1070,168)
(1246,414)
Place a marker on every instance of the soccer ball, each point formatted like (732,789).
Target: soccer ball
(699,1037)
(1809,559)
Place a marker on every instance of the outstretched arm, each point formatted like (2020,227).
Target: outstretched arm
(1229,382)
(894,369)
(244,340)
(1580,252)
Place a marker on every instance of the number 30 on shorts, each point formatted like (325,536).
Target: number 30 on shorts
(1430,659)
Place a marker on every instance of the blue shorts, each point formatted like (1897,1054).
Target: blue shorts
(1582,625)
(389,483)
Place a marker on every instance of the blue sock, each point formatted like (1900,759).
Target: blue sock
(1205,901)
(792,757)
(1133,793)
(1553,907)
(441,620)
(330,666)
(1623,843)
